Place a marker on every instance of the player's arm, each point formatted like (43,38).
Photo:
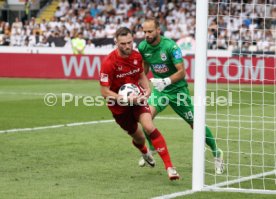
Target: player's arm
(176,57)
(106,75)
(180,74)
(143,81)
(107,93)
(146,67)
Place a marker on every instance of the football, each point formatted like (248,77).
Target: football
(129,89)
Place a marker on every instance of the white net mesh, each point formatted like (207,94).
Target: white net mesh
(241,110)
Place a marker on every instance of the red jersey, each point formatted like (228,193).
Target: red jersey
(116,71)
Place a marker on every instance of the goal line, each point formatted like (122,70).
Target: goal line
(219,187)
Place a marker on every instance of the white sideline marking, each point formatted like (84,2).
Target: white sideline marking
(41,94)
(20,93)
(54,126)
(109,121)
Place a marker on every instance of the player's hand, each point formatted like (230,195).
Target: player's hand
(136,99)
(160,84)
(146,92)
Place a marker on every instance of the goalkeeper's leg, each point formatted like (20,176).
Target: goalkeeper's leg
(217,153)
(211,142)
(185,109)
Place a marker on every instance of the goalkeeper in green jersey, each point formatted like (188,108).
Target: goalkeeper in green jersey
(164,58)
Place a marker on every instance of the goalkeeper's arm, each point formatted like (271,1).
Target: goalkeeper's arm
(161,84)
(180,74)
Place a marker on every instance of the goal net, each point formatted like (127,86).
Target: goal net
(241,95)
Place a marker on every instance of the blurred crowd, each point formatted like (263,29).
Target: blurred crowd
(231,25)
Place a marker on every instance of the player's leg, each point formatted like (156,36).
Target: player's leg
(139,142)
(141,161)
(153,114)
(182,104)
(217,152)
(211,142)
(157,104)
(128,122)
(158,142)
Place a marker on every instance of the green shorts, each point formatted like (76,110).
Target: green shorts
(179,100)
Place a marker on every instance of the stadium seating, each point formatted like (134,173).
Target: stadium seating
(98,21)
(47,12)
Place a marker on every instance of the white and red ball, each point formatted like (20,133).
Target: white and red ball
(129,89)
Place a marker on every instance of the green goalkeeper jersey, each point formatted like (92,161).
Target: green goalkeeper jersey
(162,59)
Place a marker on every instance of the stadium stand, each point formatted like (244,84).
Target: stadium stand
(2,2)
(58,22)
(47,12)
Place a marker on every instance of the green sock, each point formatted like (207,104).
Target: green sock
(211,142)
(151,147)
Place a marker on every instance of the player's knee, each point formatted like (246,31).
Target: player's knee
(153,111)
(149,129)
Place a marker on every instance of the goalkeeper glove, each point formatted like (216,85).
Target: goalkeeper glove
(160,84)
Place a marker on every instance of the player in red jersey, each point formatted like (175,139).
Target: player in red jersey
(121,66)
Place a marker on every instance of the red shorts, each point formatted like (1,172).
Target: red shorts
(129,119)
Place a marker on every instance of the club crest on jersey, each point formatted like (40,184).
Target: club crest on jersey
(163,56)
(120,68)
(135,62)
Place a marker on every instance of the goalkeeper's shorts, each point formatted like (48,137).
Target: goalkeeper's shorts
(180,101)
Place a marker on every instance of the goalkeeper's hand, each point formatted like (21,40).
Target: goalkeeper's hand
(160,84)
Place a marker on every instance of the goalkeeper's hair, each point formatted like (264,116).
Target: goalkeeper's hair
(154,20)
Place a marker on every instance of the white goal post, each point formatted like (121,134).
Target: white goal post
(244,128)
(199,96)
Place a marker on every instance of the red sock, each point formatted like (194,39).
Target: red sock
(141,147)
(160,146)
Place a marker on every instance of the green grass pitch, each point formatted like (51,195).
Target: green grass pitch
(98,161)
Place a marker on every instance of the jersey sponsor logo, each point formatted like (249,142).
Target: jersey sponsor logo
(160,68)
(104,77)
(177,54)
(122,75)
(148,54)
(163,56)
